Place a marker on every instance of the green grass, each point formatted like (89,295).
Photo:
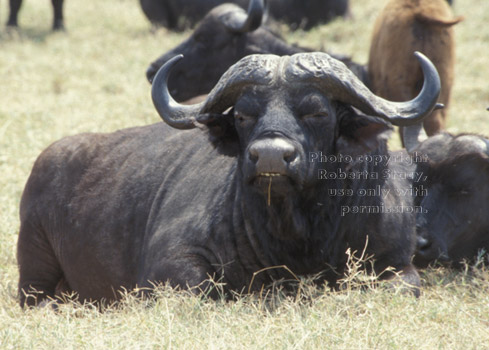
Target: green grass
(92,79)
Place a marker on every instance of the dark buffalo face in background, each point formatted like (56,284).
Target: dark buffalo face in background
(223,37)
(455,221)
(57,9)
(181,14)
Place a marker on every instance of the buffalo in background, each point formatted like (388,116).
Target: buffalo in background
(454,224)
(224,36)
(405,26)
(181,14)
(236,194)
(15,5)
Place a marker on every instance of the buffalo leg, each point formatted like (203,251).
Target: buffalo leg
(14,11)
(58,15)
(39,270)
(434,123)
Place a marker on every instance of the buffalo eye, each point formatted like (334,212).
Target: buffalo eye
(246,111)
(314,116)
(203,35)
(243,119)
(313,107)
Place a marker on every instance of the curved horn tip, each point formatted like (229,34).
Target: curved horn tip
(174,114)
(162,73)
(254,18)
(424,60)
(419,55)
(256,5)
(170,63)
(256,9)
(439,106)
(422,57)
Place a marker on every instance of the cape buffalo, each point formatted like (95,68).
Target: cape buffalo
(403,27)
(453,224)
(181,14)
(224,36)
(57,8)
(240,192)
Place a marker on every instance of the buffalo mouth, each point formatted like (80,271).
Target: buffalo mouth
(428,252)
(271,183)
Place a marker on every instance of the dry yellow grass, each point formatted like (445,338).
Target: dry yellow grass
(92,79)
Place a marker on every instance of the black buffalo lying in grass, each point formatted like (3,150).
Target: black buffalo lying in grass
(242,191)
(224,36)
(57,9)
(454,224)
(181,14)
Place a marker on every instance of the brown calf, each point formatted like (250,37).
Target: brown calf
(405,26)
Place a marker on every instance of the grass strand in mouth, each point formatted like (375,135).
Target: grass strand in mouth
(269,191)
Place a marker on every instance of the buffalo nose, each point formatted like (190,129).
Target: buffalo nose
(151,72)
(272,155)
(423,244)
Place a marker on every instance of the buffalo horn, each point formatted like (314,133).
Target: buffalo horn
(244,73)
(320,69)
(342,85)
(413,135)
(174,114)
(238,22)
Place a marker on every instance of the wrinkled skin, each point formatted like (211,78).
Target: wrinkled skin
(58,23)
(181,14)
(213,42)
(101,212)
(455,225)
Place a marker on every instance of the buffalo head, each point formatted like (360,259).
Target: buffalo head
(282,108)
(454,223)
(224,36)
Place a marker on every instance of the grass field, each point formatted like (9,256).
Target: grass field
(92,79)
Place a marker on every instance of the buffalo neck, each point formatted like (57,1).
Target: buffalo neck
(305,228)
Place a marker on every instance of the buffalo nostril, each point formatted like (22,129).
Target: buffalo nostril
(290,154)
(253,153)
(423,244)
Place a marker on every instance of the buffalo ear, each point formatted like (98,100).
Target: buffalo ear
(359,133)
(220,126)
